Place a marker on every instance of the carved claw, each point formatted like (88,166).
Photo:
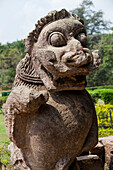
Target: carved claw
(96,58)
(96,61)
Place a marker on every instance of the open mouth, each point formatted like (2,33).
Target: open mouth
(75,80)
(63,81)
(80,79)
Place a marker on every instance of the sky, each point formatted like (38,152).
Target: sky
(18,17)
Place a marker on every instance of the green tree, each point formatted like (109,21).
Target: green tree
(104,74)
(93,21)
(10,55)
(95,25)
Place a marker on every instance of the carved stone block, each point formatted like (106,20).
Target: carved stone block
(90,162)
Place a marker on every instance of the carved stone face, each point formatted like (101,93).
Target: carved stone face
(60,56)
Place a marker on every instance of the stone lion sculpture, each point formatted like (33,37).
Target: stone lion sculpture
(49,115)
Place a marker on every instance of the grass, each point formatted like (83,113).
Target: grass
(4,142)
(3,97)
(3,136)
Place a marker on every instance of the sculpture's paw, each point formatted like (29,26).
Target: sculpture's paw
(34,95)
(28,99)
(96,61)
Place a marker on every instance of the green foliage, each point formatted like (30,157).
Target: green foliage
(100,87)
(104,115)
(4,142)
(107,96)
(3,136)
(105,132)
(2,101)
(3,97)
(6,93)
(104,74)
(95,24)
(93,20)
(104,94)
(94,95)
(10,55)
(5,155)
(105,119)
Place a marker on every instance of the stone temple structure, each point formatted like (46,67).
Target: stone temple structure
(49,116)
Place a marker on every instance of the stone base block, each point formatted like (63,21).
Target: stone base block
(90,162)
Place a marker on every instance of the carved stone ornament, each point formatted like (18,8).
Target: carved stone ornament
(49,115)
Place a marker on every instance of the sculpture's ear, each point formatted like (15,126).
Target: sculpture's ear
(42,62)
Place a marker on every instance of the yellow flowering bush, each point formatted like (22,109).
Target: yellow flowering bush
(104,115)
(5,155)
(105,119)
(105,132)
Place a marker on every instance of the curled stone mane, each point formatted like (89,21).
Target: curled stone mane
(26,75)
(51,17)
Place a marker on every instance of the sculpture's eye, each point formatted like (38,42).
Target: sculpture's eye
(82,38)
(57,39)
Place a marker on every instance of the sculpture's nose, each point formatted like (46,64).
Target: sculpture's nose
(74,45)
(75,54)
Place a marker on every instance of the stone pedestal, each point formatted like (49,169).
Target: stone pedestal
(99,150)
(90,162)
(108,145)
